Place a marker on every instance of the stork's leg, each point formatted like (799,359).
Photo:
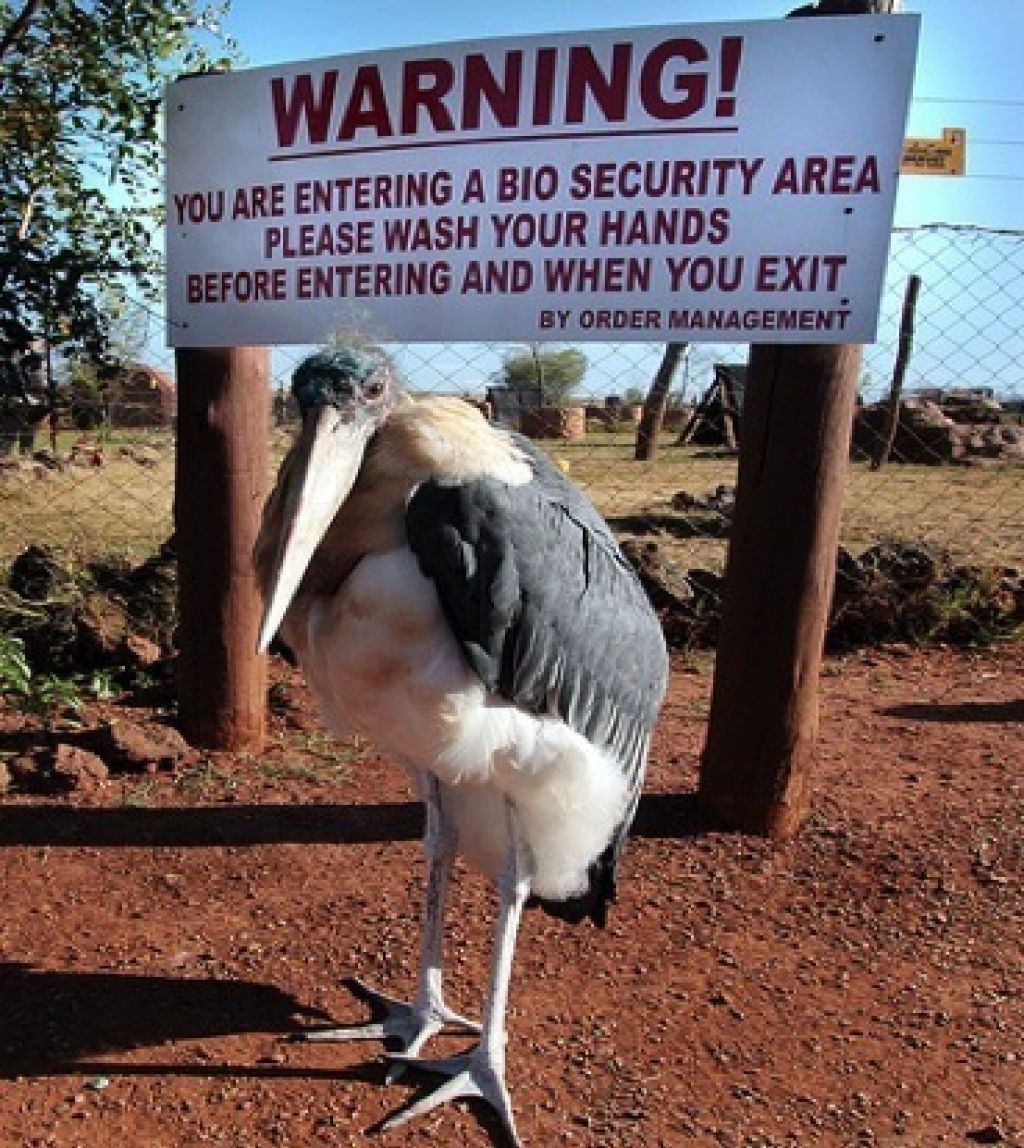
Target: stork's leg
(412,1025)
(480,1072)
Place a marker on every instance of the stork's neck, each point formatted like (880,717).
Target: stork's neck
(443,439)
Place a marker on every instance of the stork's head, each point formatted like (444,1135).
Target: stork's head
(344,395)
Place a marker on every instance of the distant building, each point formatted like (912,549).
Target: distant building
(140,396)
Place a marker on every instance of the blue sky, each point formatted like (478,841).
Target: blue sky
(968,73)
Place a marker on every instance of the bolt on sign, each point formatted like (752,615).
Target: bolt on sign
(721,182)
(945,156)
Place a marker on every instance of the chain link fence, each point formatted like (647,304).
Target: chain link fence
(91,475)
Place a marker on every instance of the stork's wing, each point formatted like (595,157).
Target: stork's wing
(547,610)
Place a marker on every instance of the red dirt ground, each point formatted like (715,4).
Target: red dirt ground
(859,986)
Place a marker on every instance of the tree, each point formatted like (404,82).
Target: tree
(656,402)
(23,404)
(81,83)
(552,375)
(128,330)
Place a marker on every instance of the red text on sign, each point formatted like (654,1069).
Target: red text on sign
(674,80)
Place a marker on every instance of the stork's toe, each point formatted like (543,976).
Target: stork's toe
(471,1075)
(406,1026)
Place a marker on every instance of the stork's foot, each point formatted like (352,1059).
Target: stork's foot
(407,1026)
(472,1075)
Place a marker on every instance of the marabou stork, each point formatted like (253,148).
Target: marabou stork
(449,594)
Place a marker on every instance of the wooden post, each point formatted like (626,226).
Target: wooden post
(220,486)
(730,400)
(906,346)
(649,430)
(761,745)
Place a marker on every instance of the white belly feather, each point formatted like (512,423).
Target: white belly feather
(382,661)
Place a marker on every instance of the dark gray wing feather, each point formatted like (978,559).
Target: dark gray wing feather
(548,611)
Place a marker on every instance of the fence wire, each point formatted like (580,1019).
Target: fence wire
(96,481)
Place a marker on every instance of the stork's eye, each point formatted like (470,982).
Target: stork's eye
(374,389)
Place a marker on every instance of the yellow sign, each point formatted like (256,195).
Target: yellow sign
(947,156)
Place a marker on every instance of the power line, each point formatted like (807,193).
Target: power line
(967,100)
(993,175)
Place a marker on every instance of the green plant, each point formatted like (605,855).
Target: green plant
(49,695)
(102,685)
(552,375)
(15,672)
(53,696)
(203,779)
(138,794)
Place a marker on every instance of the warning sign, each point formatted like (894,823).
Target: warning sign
(719,182)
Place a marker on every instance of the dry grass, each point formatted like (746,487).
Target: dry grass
(120,507)
(976,514)
(123,506)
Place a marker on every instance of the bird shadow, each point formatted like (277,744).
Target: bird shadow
(669,816)
(53,1021)
(60,1023)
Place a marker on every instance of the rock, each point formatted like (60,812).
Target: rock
(72,767)
(923,413)
(722,500)
(5,777)
(972,409)
(907,565)
(44,461)
(26,774)
(687,603)
(103,627)
(59,769)
(706,584)
(153,597)
(133,748)
(86,454)
(146,456)
(925,433)
(36,573)
(139,651)
(21,769)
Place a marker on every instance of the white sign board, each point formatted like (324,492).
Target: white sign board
(722,182)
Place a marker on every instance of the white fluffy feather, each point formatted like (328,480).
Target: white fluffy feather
(381,661)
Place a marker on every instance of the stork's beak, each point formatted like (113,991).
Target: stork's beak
(327,461)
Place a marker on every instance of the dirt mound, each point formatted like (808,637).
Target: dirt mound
(892,592)
(100,616)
